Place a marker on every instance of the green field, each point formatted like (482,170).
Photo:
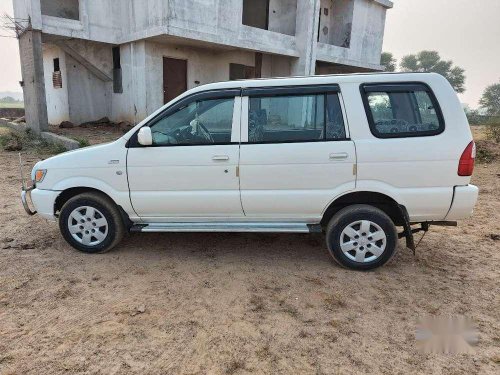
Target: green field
(11,105)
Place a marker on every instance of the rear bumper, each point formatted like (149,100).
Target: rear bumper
(464,200)
(42,200)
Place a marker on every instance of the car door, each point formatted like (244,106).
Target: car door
(190,171)
(296,155)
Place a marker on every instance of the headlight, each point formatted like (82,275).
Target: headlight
(40,175)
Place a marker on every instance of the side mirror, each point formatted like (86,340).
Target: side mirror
(144,137)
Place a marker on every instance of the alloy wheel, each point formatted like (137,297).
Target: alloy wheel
(363,241)
(88,225)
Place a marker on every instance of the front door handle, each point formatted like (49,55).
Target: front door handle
(339,155)
(220,157)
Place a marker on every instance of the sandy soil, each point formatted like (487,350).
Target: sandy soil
(239,303)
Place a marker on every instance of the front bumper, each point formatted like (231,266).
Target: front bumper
(42,200)
(25,194)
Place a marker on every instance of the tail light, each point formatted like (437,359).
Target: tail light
(466,163)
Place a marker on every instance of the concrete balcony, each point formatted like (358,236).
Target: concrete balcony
(344,56)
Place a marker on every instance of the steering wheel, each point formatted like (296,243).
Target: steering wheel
(206,133)
(183,134)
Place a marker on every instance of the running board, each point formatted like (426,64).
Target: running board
(258,227)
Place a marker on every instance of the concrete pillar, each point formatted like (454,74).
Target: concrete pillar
(306,36)
(35,104)
(139,80)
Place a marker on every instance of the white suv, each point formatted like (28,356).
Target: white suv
(352,156)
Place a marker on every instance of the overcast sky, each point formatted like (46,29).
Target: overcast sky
(465,31)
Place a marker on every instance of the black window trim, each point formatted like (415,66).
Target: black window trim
(366,88)
(266,91)
(298,90)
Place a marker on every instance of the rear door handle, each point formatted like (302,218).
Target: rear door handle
(220,157)
(339,155)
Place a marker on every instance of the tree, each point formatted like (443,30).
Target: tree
(388,61)
(430,61)
(8,99)
(490,100)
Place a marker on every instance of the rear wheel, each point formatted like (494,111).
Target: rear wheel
(361,237)
(91,222)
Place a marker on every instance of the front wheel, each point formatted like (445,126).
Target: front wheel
(361,237)
(91,222)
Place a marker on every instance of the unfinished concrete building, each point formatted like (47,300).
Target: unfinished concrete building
(86,59)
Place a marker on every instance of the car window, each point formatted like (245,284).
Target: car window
(200,122)
(399,113)
(295,118)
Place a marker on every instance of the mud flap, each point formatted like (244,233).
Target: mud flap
(407,232)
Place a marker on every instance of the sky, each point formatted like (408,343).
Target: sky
(465,31)
(10,68)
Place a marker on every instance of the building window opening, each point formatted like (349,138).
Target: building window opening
(57,67)
(69,9)
(56,74)
(256,13)
(273,15)
(117,71)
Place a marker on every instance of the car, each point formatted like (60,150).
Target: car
(351,156)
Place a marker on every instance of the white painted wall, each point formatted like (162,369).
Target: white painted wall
(57,98)
(122,105)
(89,97)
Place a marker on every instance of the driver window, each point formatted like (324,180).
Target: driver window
(201,122)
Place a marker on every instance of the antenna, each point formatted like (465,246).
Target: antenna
(21,170)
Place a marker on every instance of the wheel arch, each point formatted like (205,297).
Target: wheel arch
(382,201)
(69,193)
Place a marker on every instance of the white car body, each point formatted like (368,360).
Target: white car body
(293,184)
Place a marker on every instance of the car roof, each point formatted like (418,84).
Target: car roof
(316,80)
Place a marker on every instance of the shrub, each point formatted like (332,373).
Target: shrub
(483,154)
(487,151)
(493,131)
(82,142)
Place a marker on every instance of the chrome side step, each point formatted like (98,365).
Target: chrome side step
(258,227)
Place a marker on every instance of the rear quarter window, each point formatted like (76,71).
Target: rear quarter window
(402,110)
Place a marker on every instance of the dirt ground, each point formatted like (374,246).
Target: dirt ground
(240,303)
(92,134)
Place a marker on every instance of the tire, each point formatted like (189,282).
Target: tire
(372,247)
(102,227)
